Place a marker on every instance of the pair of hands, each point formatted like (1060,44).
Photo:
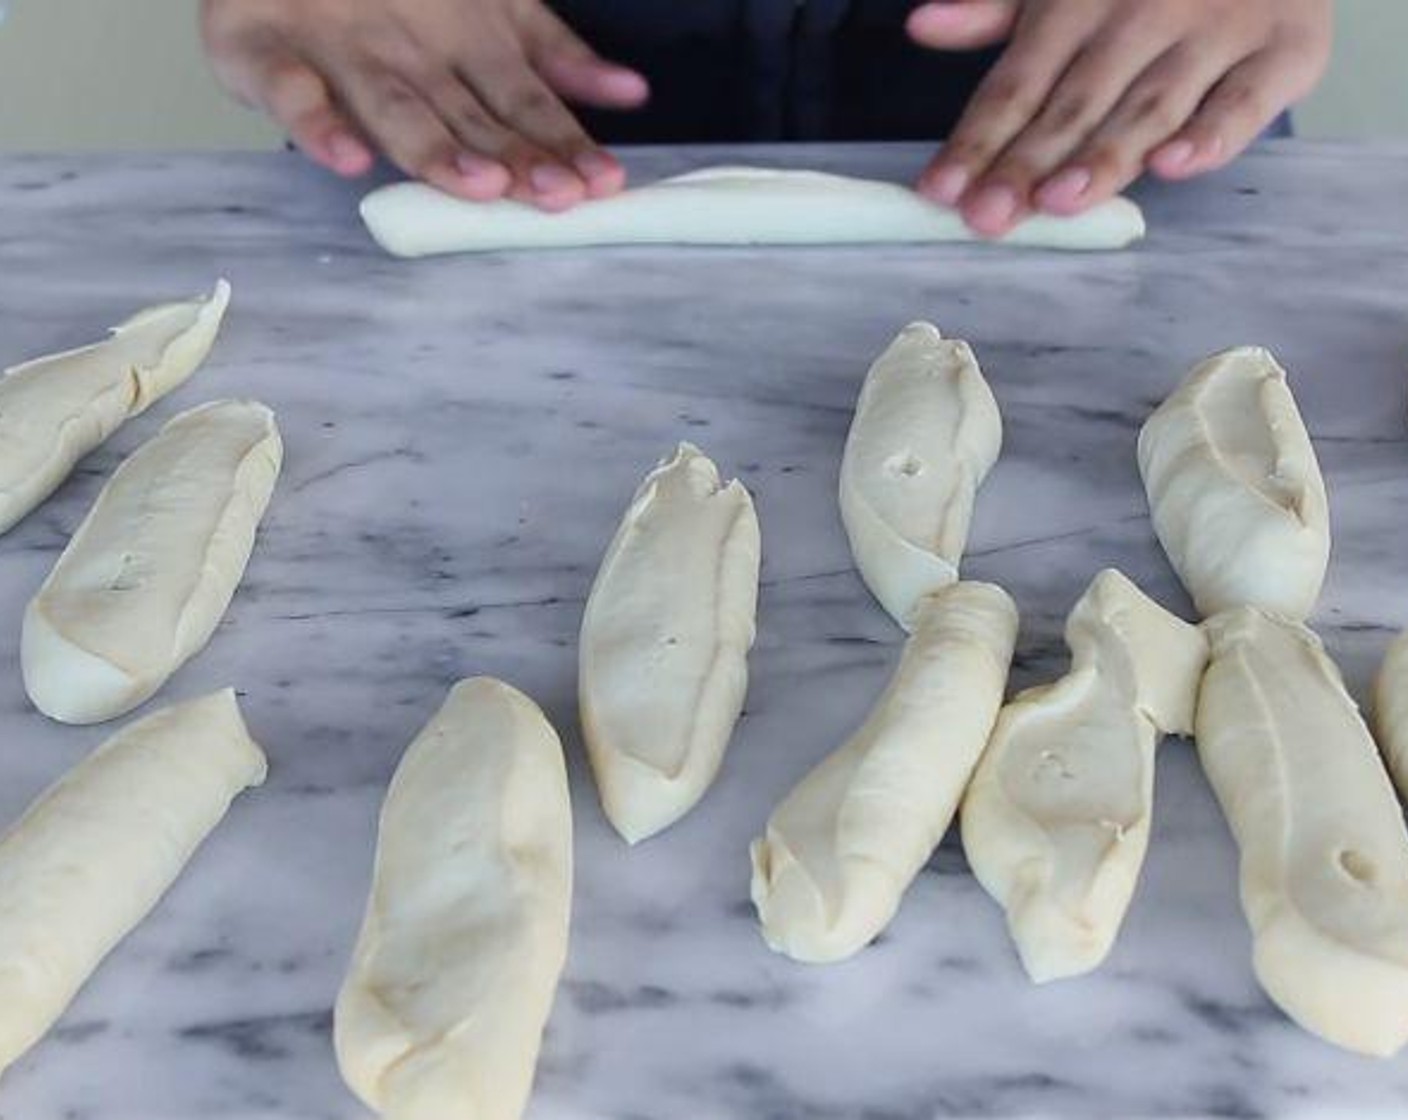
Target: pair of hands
(471,95)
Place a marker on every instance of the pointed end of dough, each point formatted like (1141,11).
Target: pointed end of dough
(793,917)
(67,682)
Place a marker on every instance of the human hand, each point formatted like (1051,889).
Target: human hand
(1089,93)
(465,94)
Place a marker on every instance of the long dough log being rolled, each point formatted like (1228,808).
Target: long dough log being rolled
(148,575)
(1391,712)
(93,855)
(718,206)
(465,934)
(925,434)
(1324,852)
(844,845)
(56,409)
(1056,820)
(665,640)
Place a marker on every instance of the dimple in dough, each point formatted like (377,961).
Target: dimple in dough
(465,934)
(926,432)
(56,409)
(665,640)
(718,206)
(1391,712)
(1056,820)
(1235,490)
(1324,852)
(148,575)
(844,845)
(95,853)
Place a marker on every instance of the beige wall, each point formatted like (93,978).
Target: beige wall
(129,74)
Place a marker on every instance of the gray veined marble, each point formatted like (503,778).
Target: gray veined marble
(462,435)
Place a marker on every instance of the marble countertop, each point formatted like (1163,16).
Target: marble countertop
(462,436)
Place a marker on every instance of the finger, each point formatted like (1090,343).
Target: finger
(1152,109)
(1239,107)
(1012,93)
(576,71)
(296,96)
(402,122)
(963,25)
(1090,88)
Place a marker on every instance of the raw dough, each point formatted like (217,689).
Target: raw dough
(844,845)
(1056,819)
(93,854)
(465,934)
(925,434)
(1324,853)
(1235,490)
(717,206)
(665,640)
(145,580)
(1391,712)
(54,410)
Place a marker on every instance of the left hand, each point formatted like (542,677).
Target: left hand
(1089,93)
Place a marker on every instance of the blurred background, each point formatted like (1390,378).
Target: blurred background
(126,74)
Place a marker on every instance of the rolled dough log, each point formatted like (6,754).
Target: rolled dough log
(717,206)
(1235,490)
(1056,819)
(844,845)
(1391,712)
(93,854)
(465,934)
(148,575)
(1324,852)
(665,640)
(925,434)
(54,410)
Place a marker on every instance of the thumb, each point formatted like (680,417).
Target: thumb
(576,71)
(962,25)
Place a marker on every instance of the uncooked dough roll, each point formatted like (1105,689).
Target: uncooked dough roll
(665,640)
(56,409)
(465,934)
(925,434)
(718,206)
(844,845)
(1235,490)
(148,575)
(93,854)
(1056,819)
(1391,712)
(1324,853)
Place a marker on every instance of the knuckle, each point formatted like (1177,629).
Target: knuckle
(529,102)
(1068,111)
(1154,110)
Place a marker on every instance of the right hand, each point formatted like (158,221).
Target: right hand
(464,94)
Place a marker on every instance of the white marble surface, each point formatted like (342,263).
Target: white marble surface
(462,435)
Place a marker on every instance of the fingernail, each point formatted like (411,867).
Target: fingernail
(345,150)
(594,165)
(1178,152)
(477,169)
(993,209)
(1065,189)
(947,186)
(549,178)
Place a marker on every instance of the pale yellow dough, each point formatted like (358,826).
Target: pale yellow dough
(148,575)
(442,1012)
(1056,820)
(56,409)
(665,640)
(1324,852)
(93,854)
(844,845)
(1391,712)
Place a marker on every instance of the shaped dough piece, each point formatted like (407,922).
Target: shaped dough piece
(1056,819)
(1324,853)
(1235,490)
(95,853)
(1391,712)
(844,845)
(718,206)
(465,935)
(55,410)
(145,580)
(925,434)
(665,640)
